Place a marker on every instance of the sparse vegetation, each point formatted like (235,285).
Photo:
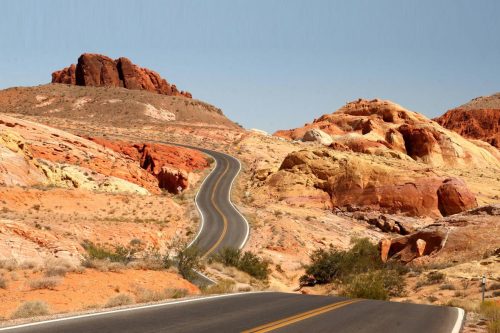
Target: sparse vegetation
(119,254)
(222,287)
(247,262)
(3,283)
(44,283)
(358,272)
(31,309)
(188,259)
(119,300)
(491,310)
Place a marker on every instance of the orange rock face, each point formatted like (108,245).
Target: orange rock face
(101,71)
(171,165)
(482,124)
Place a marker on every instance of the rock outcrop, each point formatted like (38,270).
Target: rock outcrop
(383,128)
(478,119)
(101,71)
(171,165)
(35,154)
(316,135)
(351,180)
(420,243)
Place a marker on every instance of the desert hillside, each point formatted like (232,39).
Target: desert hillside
(478,119)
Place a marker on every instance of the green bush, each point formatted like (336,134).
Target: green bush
(188,259)
(120,254)
(359,271)
(247,262)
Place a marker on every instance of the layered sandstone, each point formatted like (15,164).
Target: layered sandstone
(380,127)
(478,119)
(101,71)
(351,180)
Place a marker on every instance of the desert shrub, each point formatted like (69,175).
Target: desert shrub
(447,286)
(9,264)
(44,283)
(119,254)
(435,277)
(3,283)
(119,300)
(175,293)
(247,262)
(330,264)
(31,309)
(222,287)
(56,271)
(188,259)
(491,310)
(359,272)
(377,284)
(253,265)
(229,256)
(147,295)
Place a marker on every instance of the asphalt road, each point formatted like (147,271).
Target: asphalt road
(222,225)
(262,312)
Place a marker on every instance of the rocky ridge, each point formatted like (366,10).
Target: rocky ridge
(479,119)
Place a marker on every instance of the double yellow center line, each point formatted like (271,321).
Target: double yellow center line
(299,317)
(224,220)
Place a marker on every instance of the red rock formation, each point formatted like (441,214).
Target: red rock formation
(101,71)
(66,75)
(171,165)
(454,197)
(420,243)
(481,124)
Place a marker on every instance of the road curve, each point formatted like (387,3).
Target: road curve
(222,225)
(262,312)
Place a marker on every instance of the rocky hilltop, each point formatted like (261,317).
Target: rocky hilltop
(385,128)
(98,70)
(478,119)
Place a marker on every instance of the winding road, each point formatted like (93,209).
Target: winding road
(223,225)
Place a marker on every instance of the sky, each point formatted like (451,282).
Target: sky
(270,64)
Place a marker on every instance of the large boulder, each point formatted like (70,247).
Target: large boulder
(316,135)
(454,197)
(101,71)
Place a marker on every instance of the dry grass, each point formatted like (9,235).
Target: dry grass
(491,310)
(3,283)
(44,283)
(119,300)
(104,265)
(222,287)
(9,264)
(31,309)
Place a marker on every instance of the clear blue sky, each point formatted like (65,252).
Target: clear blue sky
(270,64)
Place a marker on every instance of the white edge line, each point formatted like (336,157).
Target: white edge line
(234,207)
(96,314)
(460,319)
